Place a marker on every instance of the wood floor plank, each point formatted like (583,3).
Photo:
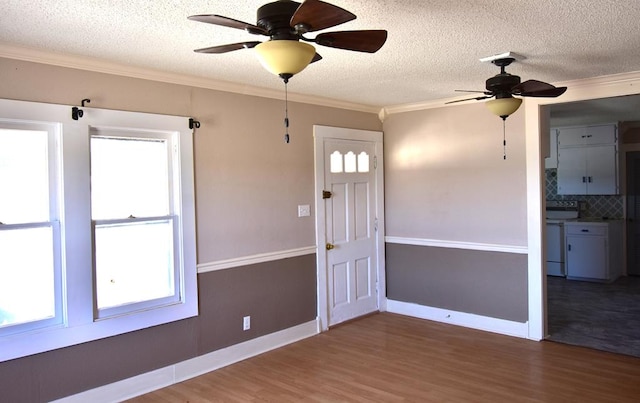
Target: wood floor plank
(393,358)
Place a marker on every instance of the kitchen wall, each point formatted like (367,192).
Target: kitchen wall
(456,211)
(586,113)
(248,185)
(610,206)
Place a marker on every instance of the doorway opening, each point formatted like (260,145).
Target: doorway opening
(601,315)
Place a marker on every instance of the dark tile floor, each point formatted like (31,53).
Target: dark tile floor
(600,316)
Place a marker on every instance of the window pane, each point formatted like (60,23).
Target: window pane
(129,177)
(336,162)
(363,162)
(27,287)
(134,262)
(24,176)
(350,162)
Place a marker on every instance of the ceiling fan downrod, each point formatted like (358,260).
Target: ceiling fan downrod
(502,63)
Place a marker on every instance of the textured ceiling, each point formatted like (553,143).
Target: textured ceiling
(433,46)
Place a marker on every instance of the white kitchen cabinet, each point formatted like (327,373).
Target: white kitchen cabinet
(588,160)
(588,170)
(586,135)
(593,250)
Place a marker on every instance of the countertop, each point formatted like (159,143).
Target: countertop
(583,220)
(597,219)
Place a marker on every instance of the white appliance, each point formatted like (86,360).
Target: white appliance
(557,212)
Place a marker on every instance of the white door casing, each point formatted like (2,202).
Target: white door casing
(536,122)
(351,275)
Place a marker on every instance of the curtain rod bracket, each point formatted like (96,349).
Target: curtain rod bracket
(193,123)
(77,113)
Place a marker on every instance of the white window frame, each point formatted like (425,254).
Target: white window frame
(53,140)
(173,158)
(79,322)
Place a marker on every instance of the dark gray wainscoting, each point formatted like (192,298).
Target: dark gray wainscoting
(277,295)
(485,283)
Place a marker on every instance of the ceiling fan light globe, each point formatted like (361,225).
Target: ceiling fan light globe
(503,107)
(286,57)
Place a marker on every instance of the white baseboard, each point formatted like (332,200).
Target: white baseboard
(485,323)
(163,377)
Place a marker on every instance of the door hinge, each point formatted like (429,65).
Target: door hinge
(375,162)
(375,224)
(326,194)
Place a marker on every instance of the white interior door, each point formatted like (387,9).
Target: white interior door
(350,230)
(349,233)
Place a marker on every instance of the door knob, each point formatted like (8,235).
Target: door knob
(330,246)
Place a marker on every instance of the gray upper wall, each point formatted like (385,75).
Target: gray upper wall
(445,177)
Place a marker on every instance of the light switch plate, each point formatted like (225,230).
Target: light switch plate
(304,210)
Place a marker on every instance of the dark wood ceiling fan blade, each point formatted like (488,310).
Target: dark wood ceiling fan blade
(228,48)
(228,22)
(550,93)
(315,15)
(316,58)
(470,99)
(535,88)
(369,41)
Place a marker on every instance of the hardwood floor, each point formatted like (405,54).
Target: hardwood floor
(393,358)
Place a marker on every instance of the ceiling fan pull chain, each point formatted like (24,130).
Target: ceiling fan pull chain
(286,113)
(504,139)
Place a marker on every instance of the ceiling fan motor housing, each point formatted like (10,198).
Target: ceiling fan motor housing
(501,84)
(275,18)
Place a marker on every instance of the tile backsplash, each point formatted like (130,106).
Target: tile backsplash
(590,206)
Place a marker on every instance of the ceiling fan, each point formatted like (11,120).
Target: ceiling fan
(504,86)
(285,22)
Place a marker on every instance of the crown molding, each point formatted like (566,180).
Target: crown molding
(594,82)
(102,66)
(415,106)
(612,79)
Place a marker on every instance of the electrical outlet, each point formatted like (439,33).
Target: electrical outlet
(304,210)
(246,323)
